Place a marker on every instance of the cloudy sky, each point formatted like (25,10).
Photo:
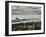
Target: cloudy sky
(25,12)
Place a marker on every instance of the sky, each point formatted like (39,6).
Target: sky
(26,12)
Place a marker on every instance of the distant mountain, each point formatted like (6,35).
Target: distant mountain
(20,20)
(24,21)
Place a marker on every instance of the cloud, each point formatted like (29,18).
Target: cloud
(26,10)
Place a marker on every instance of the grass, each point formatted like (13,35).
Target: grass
(26,26)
